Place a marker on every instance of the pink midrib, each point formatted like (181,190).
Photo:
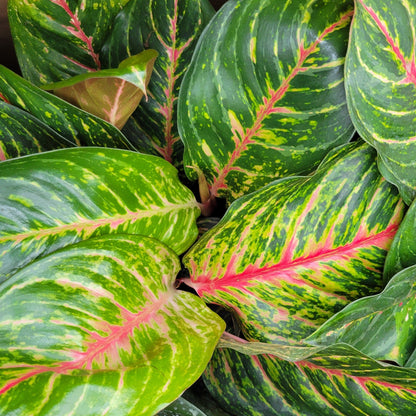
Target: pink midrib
(409,66)
(362,380)
(80,34)
(204,286)
(84,359)
(268,108)
(166,110)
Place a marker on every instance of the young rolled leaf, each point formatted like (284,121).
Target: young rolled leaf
(111,94)
(335,381)
(381,326)
(287,257)
(58,39)
(264,97)
(380,85)
(22,134)
(72,123)
(172,28)
(54,199)
(98,328)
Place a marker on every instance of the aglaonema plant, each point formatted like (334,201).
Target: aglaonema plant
(130,123)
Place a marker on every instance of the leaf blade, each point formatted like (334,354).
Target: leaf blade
(385,67)
(111,94)
(336,381)
(73,124)
(115,340)
(245,107)
(303,247)
(380,326)
(94,191)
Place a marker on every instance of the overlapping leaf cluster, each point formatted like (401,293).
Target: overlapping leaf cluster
(295,122)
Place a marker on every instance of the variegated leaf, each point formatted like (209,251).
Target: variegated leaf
(335,381)
(58,39)
(111,94)
(380,85)
(73,124)
(172,28)
(22,134)
(264,96)
(381,326)
(98,328)
(57,198)
(287,257)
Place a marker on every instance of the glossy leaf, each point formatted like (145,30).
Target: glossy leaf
(181,407)
(287,257)
(111,94)
(199,396)
(402,253)
(335,381)
(73,124)
(58,39)
(380,85)
(381,326)
(54,199)
(264,96)
(172,28)
(99,329)
(22,134)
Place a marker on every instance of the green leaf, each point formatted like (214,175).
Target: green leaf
(73,124)
(172,28)
(332,381)
(22,134)
(98,328)
(181,407)
(402,253)
(264,96)
(199,396)
(380,84)
(111,94)
(58,39)
(57,198)
(381,326)
(287,257)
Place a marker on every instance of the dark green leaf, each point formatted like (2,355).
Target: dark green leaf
(181,407)
(381,326)
(380,85)
(402,253)
(58,39)
(172,28)
(22,134)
